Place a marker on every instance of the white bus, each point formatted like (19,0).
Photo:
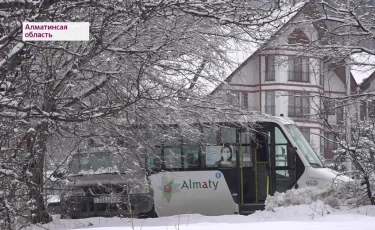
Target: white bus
(232,169)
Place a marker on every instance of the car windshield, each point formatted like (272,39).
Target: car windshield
(102,163)
(304,147)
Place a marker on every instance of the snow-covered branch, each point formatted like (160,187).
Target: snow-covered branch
(13,52)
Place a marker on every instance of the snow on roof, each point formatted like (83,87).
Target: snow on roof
(14,51)
(364,66)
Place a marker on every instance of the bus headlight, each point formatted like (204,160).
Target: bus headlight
(74,191)
(140,189)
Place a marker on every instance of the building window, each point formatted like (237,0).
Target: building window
(321,75)
(270,68)
(371,109)
(298,105)
(245,101)
(328,106)
(362,110)
(306,133)
(329,145)
(298,69)
(232,98)
(321,79)
(330,142)
(322,142)
(339,114)
(270,103)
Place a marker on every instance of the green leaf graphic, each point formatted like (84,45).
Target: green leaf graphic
(168,196)
(171,181)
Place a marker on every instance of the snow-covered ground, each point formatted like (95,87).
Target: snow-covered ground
(305,217)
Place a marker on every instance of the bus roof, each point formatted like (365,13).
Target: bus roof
(282,120)
(251,117)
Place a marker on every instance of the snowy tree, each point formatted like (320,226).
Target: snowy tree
(146,61)
(360,151)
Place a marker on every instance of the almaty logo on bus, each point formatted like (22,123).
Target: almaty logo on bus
(196,184)
(169,187)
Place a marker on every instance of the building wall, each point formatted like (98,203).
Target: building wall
(254,101)
(315,139)
(368,107)
(248,75)
(332,82)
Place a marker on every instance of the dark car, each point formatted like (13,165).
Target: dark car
(106,183)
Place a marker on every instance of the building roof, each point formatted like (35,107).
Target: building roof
(367,82)
(340,72)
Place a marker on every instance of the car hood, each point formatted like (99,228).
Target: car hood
(95,179)
(330,175)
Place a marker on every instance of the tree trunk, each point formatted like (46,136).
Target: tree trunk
(368,190)
(37,149)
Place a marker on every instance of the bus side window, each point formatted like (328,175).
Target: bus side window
(154,160)
(151,162)
(245,148)
(209,136)
(263,148)
(228,135)
(172,157)
(281,148)
(191,155)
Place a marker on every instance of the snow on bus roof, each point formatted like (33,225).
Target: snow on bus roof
(248,118)
(251,117)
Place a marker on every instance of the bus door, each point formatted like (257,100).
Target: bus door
(261,167)
(254,171)
(283,160)
(254,167)
(246,173)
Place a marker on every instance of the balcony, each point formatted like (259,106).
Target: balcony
(270,109)
(298,112)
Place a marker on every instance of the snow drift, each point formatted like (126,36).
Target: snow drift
(341,196)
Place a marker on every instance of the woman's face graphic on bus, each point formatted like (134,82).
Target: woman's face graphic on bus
(225,153)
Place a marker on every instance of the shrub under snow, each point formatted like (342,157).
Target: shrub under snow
(345,195)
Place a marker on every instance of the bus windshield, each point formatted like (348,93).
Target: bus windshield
(304,146)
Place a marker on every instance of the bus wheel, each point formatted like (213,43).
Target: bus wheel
(149,214)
